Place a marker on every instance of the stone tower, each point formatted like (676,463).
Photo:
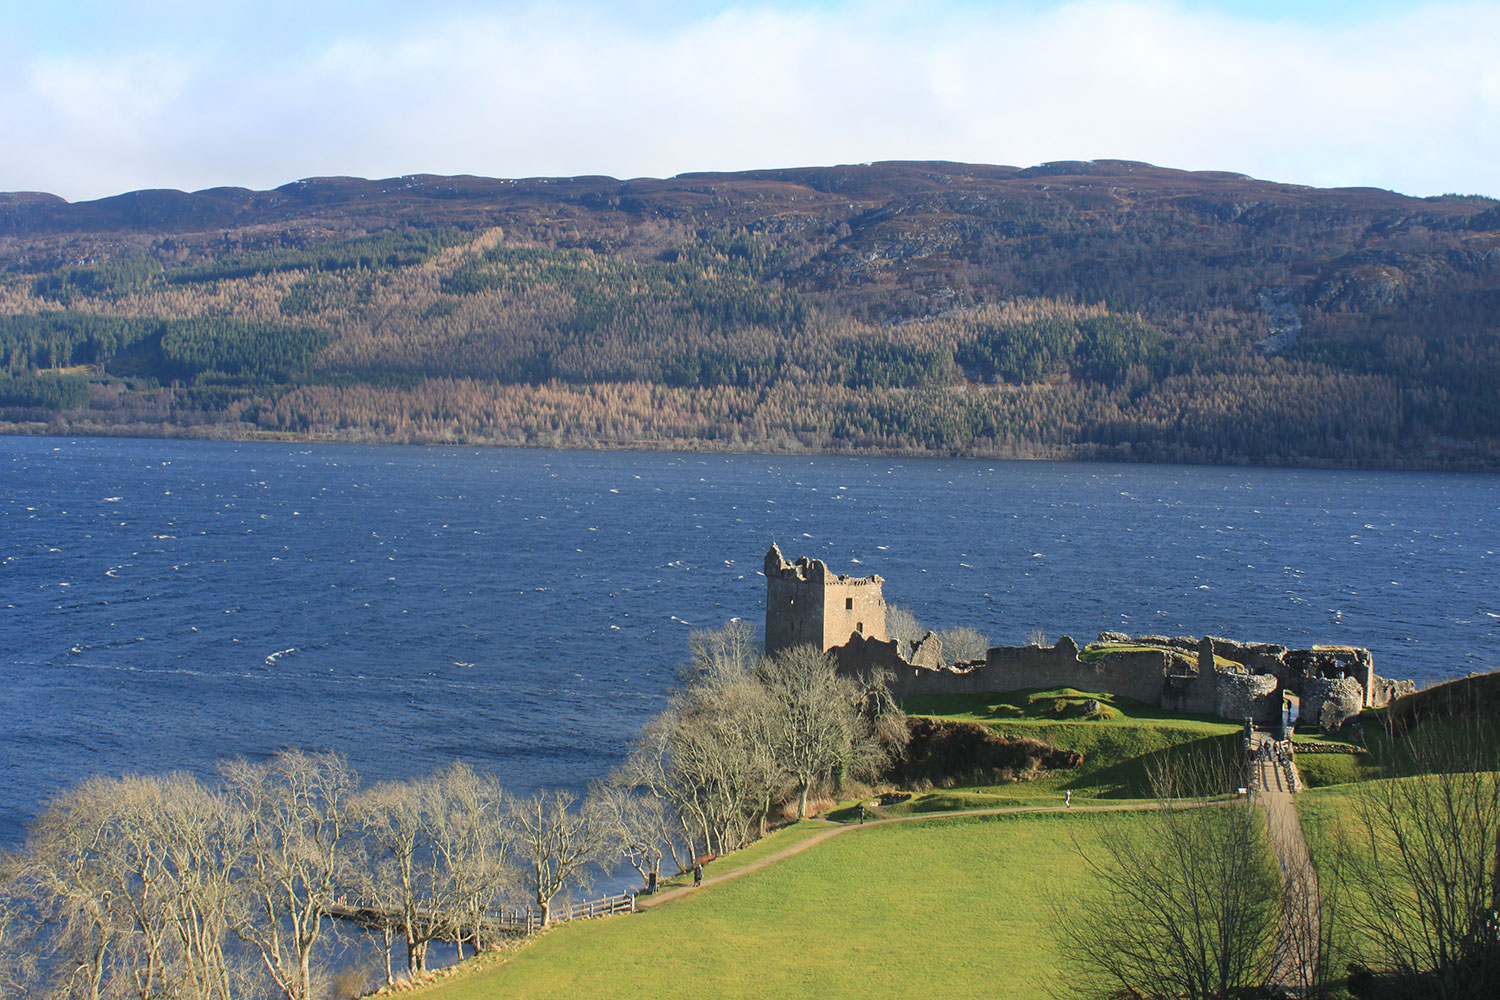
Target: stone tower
(805,603)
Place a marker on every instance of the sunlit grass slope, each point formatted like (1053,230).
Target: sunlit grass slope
(1118,746)
(942,908)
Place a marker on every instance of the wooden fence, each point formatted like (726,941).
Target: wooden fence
(506,921)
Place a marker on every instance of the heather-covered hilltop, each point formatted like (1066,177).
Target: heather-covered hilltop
(1077,310)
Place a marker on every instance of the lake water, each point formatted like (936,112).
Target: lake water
(168,604)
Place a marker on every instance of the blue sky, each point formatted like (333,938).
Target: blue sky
(99,98)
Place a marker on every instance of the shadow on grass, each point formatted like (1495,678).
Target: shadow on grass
(1131,778)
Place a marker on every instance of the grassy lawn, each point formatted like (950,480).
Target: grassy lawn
(1324,769)
(1117,746)
(1095,651)
(947,908)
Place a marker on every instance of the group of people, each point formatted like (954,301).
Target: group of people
(1278,754)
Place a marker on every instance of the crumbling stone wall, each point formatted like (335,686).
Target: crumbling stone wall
(1387,690)
(1332,663)
(1209,675)
(1328,702)
(1241,695)
(1009,668)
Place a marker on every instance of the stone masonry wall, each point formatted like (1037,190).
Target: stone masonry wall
(806,603)
(1008,668)
(1209,675)
(1248,696)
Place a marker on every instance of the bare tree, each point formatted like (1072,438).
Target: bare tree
(69,873)
(392,815)
(296,808)
(18,971)
(130,881)
(963,645)
(723,759)
(818,733)
(902,627)
(183,841)
(708,757)
(1426,856)
(378,888)
(721,654)
(641,828)
(651,770)
(1191,897)
(470,849)
(556,843)
(745,733)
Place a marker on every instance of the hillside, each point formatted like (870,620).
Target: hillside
(1086,310)
(1472,699)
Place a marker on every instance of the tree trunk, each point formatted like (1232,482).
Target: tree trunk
(802,799)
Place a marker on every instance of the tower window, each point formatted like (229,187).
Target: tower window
(859,627)
(848,604)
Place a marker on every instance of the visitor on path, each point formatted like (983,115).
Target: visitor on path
(1068,798)
(697,874)
(651,884)
(861,814)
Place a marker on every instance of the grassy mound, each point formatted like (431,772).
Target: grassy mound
(946,908)
(1095,651)
(1119,743)
(942,749)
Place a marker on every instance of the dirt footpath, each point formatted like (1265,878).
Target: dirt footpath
(1297,940)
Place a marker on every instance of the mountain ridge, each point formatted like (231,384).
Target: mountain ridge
(46,209)
(1105,308)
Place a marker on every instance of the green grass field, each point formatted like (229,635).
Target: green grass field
(1322,770)
(956,907)
(950,907)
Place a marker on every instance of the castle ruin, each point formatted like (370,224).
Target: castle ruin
(806,603)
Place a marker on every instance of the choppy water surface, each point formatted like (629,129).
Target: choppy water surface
(166,604)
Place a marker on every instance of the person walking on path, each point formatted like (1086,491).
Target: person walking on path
(697,874)
(1068,797)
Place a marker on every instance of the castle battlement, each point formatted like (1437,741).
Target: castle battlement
(808,603)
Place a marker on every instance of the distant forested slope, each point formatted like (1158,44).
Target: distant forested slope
(1089,310)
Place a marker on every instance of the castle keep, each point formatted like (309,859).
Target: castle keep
(806,603)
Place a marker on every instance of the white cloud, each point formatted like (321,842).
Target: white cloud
(1409,101)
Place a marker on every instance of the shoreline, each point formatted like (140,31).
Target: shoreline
(1093,455)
